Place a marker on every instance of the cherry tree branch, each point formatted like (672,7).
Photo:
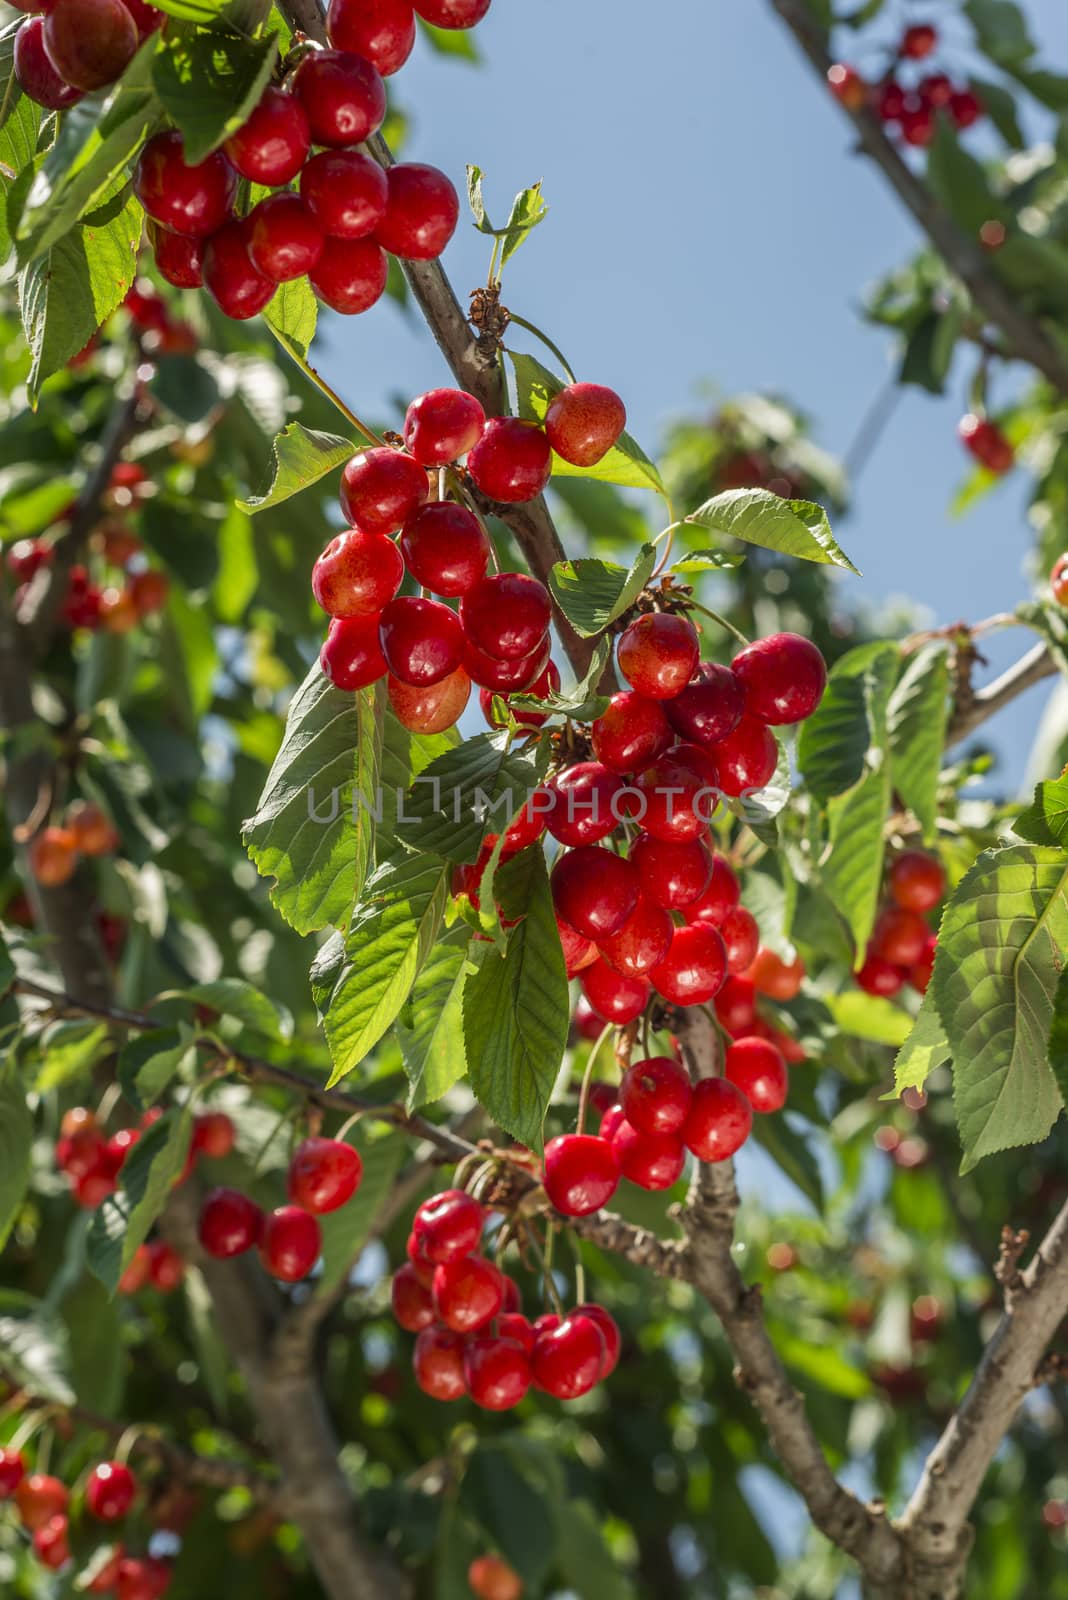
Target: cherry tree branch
(1031,668)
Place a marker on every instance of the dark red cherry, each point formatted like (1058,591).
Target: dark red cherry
(351,656)
(110,1491)
(448,1226)
(720,896)
(237,286)
(758,1069)
(614,995)
(512,461)
(741,938)
(580,1173)
(506,615)
(343,96)
(710,708)
(324,1174)
(583,422)
(671,802)
(747,757)
(445,547)
(610,1332)
(655,1095)
(357,574)
(651,1160)
(350,275)
(345,193)
(467,1294)
(631,733)
(736,1006)
(40,1497)
(413,1304)
(34,72)
(179,258)
(422,640)
(166,1269)
(692,972)
(452,13)
(568,1359)
(783,676)
(673,874)
(194,200)
(641,943)
(965,108)
(512,1325)
(899,936)
(381,489)
(921,971)
(496,1371)
(89,42)
(442,425)
(230,1223)
(719,1120)
(273,145)
(916,880)
(582,805)
(438,1363)
(658,654)
(214,1135)
(984,440)
(918,40)
(291,1243)
(594,890)
(382,31)
(431,709)
(285,241)
(12,1471)
(422,210)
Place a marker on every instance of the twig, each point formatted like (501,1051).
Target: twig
(1031,668)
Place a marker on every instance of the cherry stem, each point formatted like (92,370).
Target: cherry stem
(127,1441)
(587,1077)
(545,1260)
(580,1273)
(331,394)
(357,1116)
(284,1119)
(521,322)
(737,632)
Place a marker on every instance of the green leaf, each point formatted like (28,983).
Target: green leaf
(708,561)
(923,1052)
(149,1062)
(959,181)
(825,1366)
(209,80)
(791,527)
(866,1016)
(1000,107)
(347,1230)
(16,1143)
(292,316)
(1000,952)
(10,90)
(314,825)
(69,1050)
(301,457)
(852,872)
(1000,30)
(583,702)
(584,1558)
(37,1353)
(593,593)
(835,744)
(1046,819)
(515,1504)
(203,11)
(394,927)
(98,1354)
(626,463)
(149,1173)
(235,997)
(528,209)
(430,1024)
(468,792)
(515,1007)
(917,717)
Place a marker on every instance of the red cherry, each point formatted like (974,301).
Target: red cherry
(511,1301)
(568,1359)
(778,979)
(136,1275)
(546,683)
(673,874)
(343,96)
(442,425)
(105,1577)
(921,970)
(423,1269)
(918,41)
(179,259)
(230,1223)
(381,489)
(452,13)
(631,733)
(149,591)
(34,72)
(142,1579)
(579,952)
(26,557)
(640,944)
(357,574)
(899,936)
(110,1491)
(594,890)
(291,1243)
(580,1173)
(611,1121)
(985,441)
(438,1362)
(50,1543)
(12,1471)
(658,654)
(917,122)
(432,709)
(413,1304)
(193,200)
(89,42)
(273,145)
(324,1174)
(350,275)
(422,640)
(351,656)
(783,676)
(609,1327)
(746,758)
(238,287)
(890,101)
(445,548)
(582,803)
(448,1226)
(613,995)
(506,615)
(526,827)
(53,856)
(736,1006)
(345,193)
(936,89)
(422,210)
(166,1269)
(583,422)
(511,1325)
(512,460)
(719,1121)
(741,938)
(284,241)
(671,801)
(847,85)
(792,1049)
(916,880)
(757,1068)
(501,677)
(651,1160)
(496,1371)
(719,898)
(382,31)
(467,1294)
(656,1094)
(693,970)
(965,108)
(39,1498)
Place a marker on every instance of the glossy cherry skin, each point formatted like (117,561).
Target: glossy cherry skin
(50,1543)
(110,1491)
(194,200)
(504,677)
(166,1269)
(512,460)
(381,489)
(12,1471)
(582,809)
(631,733)
(919,40)
(736,1006)
(747,757)
(671,802)
(651,1160)
(442,425)
(382,31)
(568,1359)
(417,1260)
(34,72)
(655,1095)
(291,1243)
(422,210)
(467,1294)
(916,880)
(438,1363)
(985,441)
(142,1579)
(448,1226)
(614,995)
(179,259)
(350,275)
(580,1173)
(237,286)
(658,654)
(452,13)
(594,890)
(324,1174)
(579,952)
(609,1327)
(351,656)
(89,42)
(719,1120)
(692,972)
(583,422)
(413,1304)
(778,979)
(39,1498)
(641,943)
(506,615)
(496,1371)
(274,143)
(345,192)
(917,122)
(673,874)
(899,936)
(230,1223)
(718,898)
(343,96)
(709,708)
(783,676)
(741,938)
(446,549)
(431,709)
(758,1069)
(422,640)
(357,574)
(285,240)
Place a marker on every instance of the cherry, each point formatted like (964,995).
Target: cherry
(324,1174)
(582,803)
(506,615)
(579,952)
(213,1135)
(89,42)
(583,422)
(899,936)
(343,95)
(357,574)
(452,13)
(345,193)
(757,1068)
(547,683)
(501,677)
(890,101)
(431,709)
(916,880)
(53,856)
(936,89)
(34,72)
(351,656)
(671,801)
(236,285)
(526,827)
(12,1471)
(50,1543)
(39,1498)
(230,1223)
(658,654)
(442,425)
(438,1363)
(166,1269)
(491,1578)
(741,938)
(273,145)
(382,31)
(94,834)
(142,1578)
(496,1371)
(917,122)
(193,200)
(747,757)
(146,18)
(719,1120)
(417,1260)
(580,1173)
(136,1275)
(381,489)
(350,275)
(105,1577)
(1058,577)
(918,41)
(150,590)
(640,944)
(511,1325)
(26,557)
(614,996)
(422,210)
(594,890)
(693,970)
(567,1359)
(656,1094)
(445,548)
(422,640)
(651,1160)
(783,676)
(512,460)
(611,1121)
(291,1243)
(847,86)
(448,1226)
(965,108)
(413,1304)
(285,240)
(921,970)
(467,1293)
(719,898)
(179,258)
(110,1491)
(631,733)
(673,874)
(778,979)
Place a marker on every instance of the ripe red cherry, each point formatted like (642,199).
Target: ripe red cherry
(50,1543)
(422,640)
(12,1471)
(847,85)
(613,1117)
(916,880)
(594,890)
(579,952)
(741,938)
(238,287)
(719,898)
(936,89)
(693,970)
(343,96)
(583,422)
(357,574)
(194,200)
(452,13)
(631,733)
(136,1275)
(53,856)
(351,656)
(106,1576)
(671,801)
(526,827)
(350,275)
(382,31)
(496,1371)
(285,240)
(985,441)
(142,1579)
(747,757)
(736,1006)
(758,1069)
(651,1160)
(413,1304)
(274,143)
(673,874)
(917,122)
(582,803)
(467,1294)
(442,425)
(445,548)
(568,1359)
(230,1223)
(783,676)
(381,489)
(580,1173)
(899,936)
(656,1094)
(658,654)
(422,210)
(640,944)
(920,972)
(546,683)
(506,615)
(89,42)
(614,996)
(166,1269)
(324,1174)
(778,979)
(291,1243)
(345,193)
(503,677)
(511,1325)
(417,1260)
(609,1327)
(438,1363)
(39,1498)
(719,1120)
(512,460)
(965,108)
(179,259)
(110,1491)
(34,72)
(94,833)
(26,557)
(890,101)
(432,709)
(918,41)
(448,1226)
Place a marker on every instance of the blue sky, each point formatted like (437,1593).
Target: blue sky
(709,226)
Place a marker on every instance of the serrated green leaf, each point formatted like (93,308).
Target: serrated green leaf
(430,1027)
(37,1353)
(792,527)
(593,593)
(468,792)
(917,717)
(834,745)
(582,703)
(625,464)
(148,1174)
(301,457)
(209,80)
(16,1144)
(69,1050)
(347,1230)
(584,1558)
(1046,819)
(292,316)
(528,209)
(853,870)
(10,89)
(235,997)
(868,1016)
(149,1062)
(924,1050)
(707,561)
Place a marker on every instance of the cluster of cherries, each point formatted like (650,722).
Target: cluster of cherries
(323,1176)
(68,48)
(55,850)
(92,1159)
(43,1505)
(472,1338)
(499,635)
(986,443)
(902,947)
(911,109)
